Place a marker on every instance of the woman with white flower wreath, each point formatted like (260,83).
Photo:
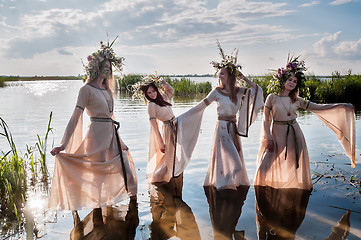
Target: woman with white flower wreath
(96,170)
(283,160)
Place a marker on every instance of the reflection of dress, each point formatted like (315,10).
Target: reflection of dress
(226,168)
(288,165)
(114,223)
(280,212)
(160,165)
(225,207)
(171,215)
(90,174)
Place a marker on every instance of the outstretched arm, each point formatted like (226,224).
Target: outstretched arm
(169,90)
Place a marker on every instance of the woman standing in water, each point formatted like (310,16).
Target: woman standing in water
(283,160)
(98,170)
(160,167)
(227,168)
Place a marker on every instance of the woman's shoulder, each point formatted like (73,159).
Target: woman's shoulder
(86,88)
(272,95)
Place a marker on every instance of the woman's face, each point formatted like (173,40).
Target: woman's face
(152,94)
(291,83)
(223,77)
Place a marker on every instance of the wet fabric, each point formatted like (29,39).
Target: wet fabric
(89,173)
(226,166)
(288,165)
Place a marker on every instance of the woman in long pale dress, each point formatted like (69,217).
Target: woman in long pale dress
(283,160)
(227,168)
(98,170)
(161,146)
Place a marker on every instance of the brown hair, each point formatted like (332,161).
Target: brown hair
(159,100)
(232,84)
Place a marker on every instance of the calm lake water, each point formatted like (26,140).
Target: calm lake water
(26,106)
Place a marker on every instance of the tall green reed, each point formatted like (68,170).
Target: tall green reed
(17,173)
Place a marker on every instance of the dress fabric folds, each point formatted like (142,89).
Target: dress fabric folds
(90,173)
(226,166)
(160,165)
(288,165)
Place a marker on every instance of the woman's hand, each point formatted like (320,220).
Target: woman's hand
(162,149)
(56,150)
(125,147)
(270,145)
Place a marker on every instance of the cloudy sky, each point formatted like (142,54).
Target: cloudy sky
(47,37)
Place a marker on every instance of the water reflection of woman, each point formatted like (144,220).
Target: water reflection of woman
(160,167)
(114,223)
(171,215)
(225,207)
(97,170)
(280,212)
(283,160)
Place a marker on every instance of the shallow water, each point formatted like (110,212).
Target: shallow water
(26,106)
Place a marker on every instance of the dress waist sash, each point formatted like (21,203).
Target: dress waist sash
(231,120)
(169,121)
(228,118)
(99,119)
(290,125)
(116,126)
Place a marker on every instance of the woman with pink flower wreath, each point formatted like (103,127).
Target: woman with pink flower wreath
(96,170)
(283,160)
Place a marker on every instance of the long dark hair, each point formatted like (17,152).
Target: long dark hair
(159,100)
(232,84)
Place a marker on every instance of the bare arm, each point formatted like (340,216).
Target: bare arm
(244,78)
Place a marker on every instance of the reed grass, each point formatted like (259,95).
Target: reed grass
(183,87)
(17,173)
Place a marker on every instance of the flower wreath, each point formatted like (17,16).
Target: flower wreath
(146,80)
(95,60)
(294,66)
(227,61)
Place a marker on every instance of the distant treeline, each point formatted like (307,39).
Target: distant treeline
(183,87)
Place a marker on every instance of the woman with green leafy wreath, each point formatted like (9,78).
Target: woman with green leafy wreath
(283,160)
(96,170)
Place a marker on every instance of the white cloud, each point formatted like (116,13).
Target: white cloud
(310,4)
(324,47)
(333,46)
(339,2)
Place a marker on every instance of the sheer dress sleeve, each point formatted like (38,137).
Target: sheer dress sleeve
(73,132)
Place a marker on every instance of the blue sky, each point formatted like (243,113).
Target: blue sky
(41,37)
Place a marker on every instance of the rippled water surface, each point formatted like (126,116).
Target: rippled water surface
(26,106)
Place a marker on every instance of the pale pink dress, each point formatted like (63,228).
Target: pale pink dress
(160,165)
(89,173)
(226,166)
(277,170)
